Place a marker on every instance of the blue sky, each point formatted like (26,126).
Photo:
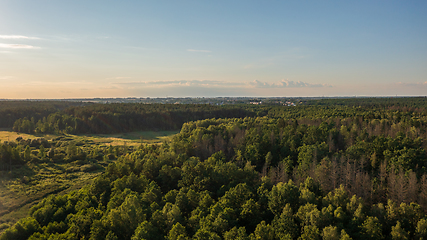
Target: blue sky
(74,49)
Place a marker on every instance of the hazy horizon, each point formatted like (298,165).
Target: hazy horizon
(107,49)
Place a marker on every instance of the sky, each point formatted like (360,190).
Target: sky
(86,49)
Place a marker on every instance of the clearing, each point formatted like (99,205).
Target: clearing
(26,185)
(131,138)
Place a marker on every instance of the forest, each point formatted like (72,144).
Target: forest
(324,169)
(124,117)
(10,111)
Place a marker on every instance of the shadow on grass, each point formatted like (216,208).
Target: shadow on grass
(140,136)
(134,136)
(18,171)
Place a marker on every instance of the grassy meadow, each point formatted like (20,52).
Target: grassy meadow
(24,186)
(131,138)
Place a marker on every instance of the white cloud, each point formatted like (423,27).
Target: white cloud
(220,84)
(67,84)
(17,46)
(16,37)
(182,83)
(174,82)
(6,77)
(203,51)
(118,78)
(285,84)
(412,84)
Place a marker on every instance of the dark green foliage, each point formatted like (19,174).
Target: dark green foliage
(114,118)
(32,111)
(309,172)
(22,230)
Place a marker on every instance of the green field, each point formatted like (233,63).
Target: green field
(26,185)
(131,138)
(9,135)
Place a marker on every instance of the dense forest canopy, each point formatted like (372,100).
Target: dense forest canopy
(331,169)
(81,118)
(125,117)
(10,111)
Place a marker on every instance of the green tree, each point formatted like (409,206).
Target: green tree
(371,228)
(264,231)
(421,231)
(285,226)
(236,234)
(281,194)
(398,233)
(146,230)
(27,153)
(344,235)
(309,215)
(330,233)
(177,232)
(310,232)
(204,234)
(23,229)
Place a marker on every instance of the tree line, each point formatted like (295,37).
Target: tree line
(116,118)
(10,111)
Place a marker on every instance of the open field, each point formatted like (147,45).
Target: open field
(131,138)
(9,135)
(26,185)
(23,188)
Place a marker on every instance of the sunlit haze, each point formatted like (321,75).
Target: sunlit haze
(86,49)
